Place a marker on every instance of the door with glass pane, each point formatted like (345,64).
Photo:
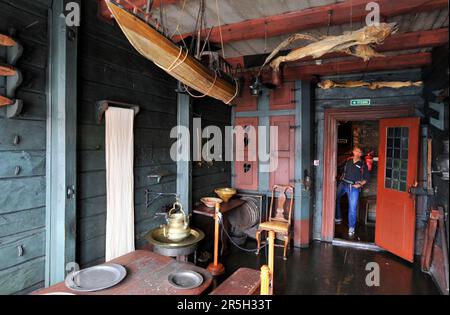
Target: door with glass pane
(397,172)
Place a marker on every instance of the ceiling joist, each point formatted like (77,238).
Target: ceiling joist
(294,22)
(397,42)
(355,65)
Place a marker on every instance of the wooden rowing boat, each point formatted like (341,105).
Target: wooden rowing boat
(175,60)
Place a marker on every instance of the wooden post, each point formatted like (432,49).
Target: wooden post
(61,167)
(184,170)
(271,258)
(216,268)
(265,280)
(429,161)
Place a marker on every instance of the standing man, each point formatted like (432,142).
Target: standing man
(355,176)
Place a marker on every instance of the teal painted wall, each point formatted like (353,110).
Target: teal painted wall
(22,196)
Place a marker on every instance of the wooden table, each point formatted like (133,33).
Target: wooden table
(147,274)
(244,281)
(225,207)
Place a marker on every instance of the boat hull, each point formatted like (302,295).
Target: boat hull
(171,58)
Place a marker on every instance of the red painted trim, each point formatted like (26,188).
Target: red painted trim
(332,116)
(317,17)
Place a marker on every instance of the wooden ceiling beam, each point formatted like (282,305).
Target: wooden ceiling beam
(397,42)
(106,14)
(354,65)
(294,22)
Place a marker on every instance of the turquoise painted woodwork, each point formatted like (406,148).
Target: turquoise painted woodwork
(61,146)
(22,154)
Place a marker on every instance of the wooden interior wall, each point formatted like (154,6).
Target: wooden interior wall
(22,197)
(340,98)
(109,68)
(436,78)
(208,177)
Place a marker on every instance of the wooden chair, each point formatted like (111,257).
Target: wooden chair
(281,222)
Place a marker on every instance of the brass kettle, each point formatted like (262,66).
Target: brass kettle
(177,227)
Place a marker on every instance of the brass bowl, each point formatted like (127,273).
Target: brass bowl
(156,237)
(225,193)
(210,202)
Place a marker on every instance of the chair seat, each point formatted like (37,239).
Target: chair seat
(275,226)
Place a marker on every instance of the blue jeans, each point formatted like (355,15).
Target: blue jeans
(353,195)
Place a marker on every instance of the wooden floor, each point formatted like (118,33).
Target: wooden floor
(327,269)
(363,233)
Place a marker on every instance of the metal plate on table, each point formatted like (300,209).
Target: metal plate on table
(186,279)
(96,278)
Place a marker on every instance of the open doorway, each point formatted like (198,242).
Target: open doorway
(364,134)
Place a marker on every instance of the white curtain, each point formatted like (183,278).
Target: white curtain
(119,182)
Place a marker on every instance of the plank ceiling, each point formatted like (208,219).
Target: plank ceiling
(233,11)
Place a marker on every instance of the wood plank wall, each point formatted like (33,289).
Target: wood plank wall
(110,69)
(436,78)
(340,98)
(22,196)
(208,177)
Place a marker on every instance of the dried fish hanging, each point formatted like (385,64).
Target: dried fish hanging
(173,59)
(329,84)
(358,43)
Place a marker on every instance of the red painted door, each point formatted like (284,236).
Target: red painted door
(285,172)
(246,102)
(246,172)
(283,97)
(397,172)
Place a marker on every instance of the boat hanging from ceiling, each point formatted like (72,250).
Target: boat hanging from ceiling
(173,59)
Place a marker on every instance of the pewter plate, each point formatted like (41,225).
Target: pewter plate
(96,278)
(186,279)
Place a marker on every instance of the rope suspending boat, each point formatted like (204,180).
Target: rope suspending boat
(173,59)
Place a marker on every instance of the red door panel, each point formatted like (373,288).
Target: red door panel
(283,97)
(397,172)
(285,172)
(246,172)
(246,102)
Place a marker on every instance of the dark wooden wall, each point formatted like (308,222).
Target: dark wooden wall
(22,196)
(110,69)
(436,79)
(340,98)
(208,177)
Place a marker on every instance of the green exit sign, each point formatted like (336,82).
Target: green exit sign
(360,102)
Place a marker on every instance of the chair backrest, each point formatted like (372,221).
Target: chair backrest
(280,211)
